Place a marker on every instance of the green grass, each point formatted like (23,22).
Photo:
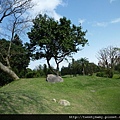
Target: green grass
(87,95)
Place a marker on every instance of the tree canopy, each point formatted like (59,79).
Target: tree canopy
(55,39)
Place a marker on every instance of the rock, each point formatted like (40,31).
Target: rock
(92,90)
(54,100)
(64,102)
(54,78)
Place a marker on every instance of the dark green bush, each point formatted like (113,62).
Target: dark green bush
(106,73)
(100,74)
(30,75)
(109,73)
(4,78)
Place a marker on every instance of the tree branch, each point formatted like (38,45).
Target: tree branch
(17,7)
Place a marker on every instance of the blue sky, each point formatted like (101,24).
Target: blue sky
(101,18)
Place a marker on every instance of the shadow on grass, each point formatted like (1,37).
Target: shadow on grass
(19,102)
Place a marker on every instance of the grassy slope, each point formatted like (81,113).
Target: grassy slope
(86,95)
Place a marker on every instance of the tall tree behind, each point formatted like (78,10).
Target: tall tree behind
(14,10)
(108,59)
(18,59)
(83,63)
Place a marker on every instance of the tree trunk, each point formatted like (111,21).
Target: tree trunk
(51,68)
(83,71)
(57,72)
(8,71)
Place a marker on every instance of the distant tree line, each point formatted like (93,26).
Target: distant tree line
(84,67)
(80,67)
(39,71)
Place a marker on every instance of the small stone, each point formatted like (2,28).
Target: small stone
(54,78)
(92,90)
(64,102)
(54,100)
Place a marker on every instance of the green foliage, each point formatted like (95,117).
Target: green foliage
(109,59)
(64,71)
(100,74)
(117,67)
(17,40)
(18,57)
(30,75)
(54,39)
(39,71)
(106,73)
(109,73)
(4,78)
(81,67)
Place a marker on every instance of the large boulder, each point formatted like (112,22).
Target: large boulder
(54,78)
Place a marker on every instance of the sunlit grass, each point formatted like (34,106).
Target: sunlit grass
(87,95)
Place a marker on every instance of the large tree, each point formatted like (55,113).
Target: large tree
(13,10)
(55,39)
(109,57)
(83,62)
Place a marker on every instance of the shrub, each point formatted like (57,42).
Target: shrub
(106,73)
(100,74)
(109,73)
(30,75)
(4,78)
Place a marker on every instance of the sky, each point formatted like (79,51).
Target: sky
(101,19)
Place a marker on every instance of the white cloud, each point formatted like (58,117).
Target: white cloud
(112,1)
(81,21)
(117,20)
(105,24)
(102,24)
(46,6)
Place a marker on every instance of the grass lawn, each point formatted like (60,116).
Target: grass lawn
(87,95)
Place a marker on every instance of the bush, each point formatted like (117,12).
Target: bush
(100,74)
(109,73)
(4,78)
(30,75)
(106,73)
